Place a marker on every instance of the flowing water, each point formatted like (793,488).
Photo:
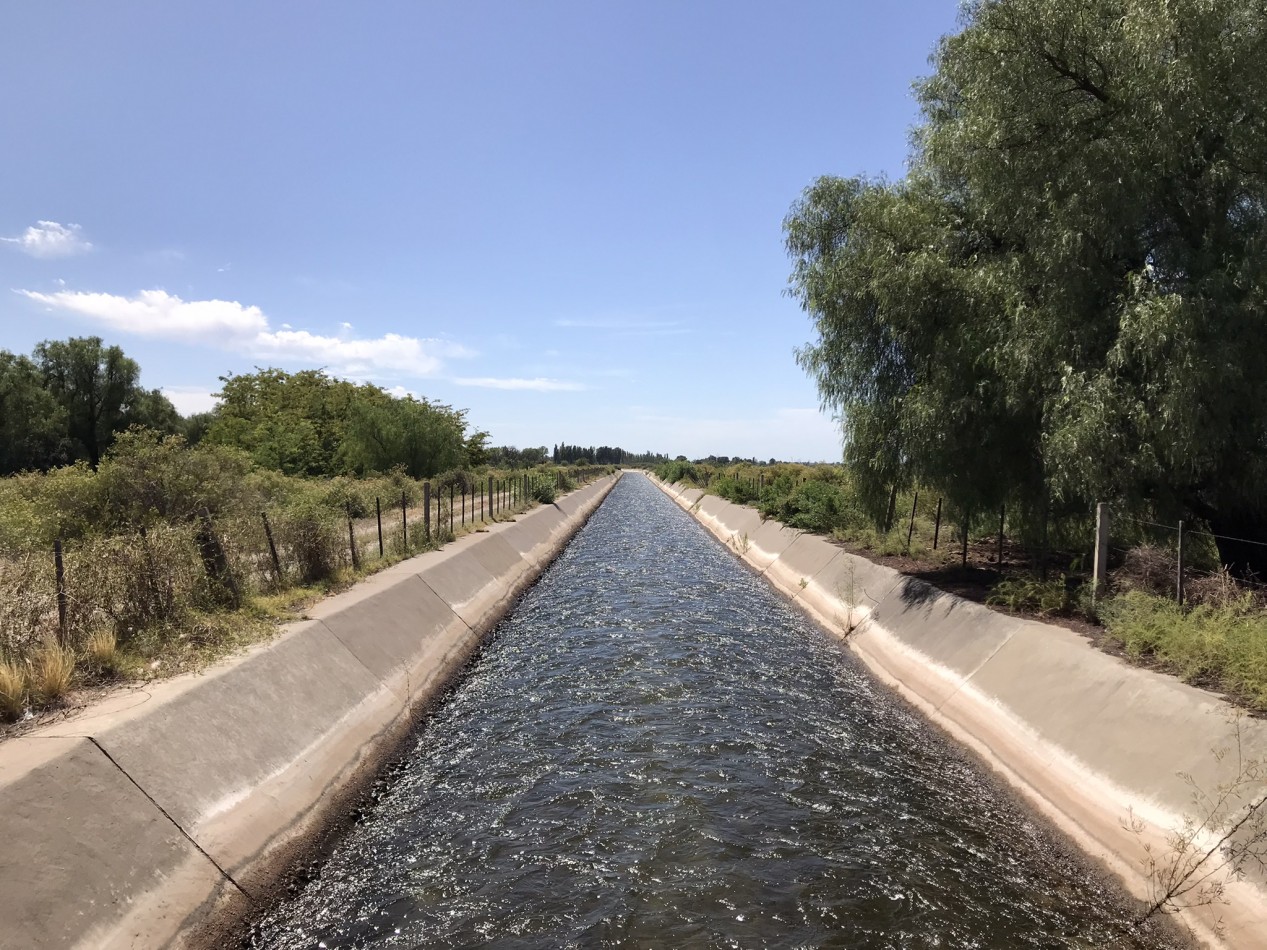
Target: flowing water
(654,750)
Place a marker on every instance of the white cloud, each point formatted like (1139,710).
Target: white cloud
(539,384)
(233,326)
(50,239)
(190,399)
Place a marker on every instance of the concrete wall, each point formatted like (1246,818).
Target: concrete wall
(1090,741)
(164,810)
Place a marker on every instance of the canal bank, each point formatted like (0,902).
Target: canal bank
(163,811)
(1111,753)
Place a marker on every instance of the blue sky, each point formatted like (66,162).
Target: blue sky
(564,217)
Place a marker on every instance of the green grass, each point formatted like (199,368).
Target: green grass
(1213,644)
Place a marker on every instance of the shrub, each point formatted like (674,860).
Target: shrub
(543,491)
(310,534)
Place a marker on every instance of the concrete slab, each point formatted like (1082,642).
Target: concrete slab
(500,559)
(533,534)
(81,843)
(391,629)
(201,752)
(797,565)
(1124,720)
(466,586)
(768,543)
(948,630)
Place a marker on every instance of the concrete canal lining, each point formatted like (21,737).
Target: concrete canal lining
(160,812)
(1093,743)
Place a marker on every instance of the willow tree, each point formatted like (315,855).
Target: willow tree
(1074,271)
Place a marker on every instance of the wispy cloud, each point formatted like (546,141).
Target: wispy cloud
(50,239)
(245,329)
(538,384)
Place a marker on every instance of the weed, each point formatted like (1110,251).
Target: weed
(1031,595)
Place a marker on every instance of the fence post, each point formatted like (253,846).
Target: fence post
(967,520)
(1002,515)
(492,511)
(426,511)
(937,525)
(1100,564)
(450,509)
(1179,580)
(214,560)
(910,531)
(63,634)
(378,514)
(356,555)
(272,546)
(404,522)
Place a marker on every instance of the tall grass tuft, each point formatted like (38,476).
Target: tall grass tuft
(12,691)
(102,650)
(52,672)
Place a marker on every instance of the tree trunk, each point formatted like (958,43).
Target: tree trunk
(1237,550)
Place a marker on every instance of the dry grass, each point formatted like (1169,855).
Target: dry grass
(12,691)
(52,672)
(102,650)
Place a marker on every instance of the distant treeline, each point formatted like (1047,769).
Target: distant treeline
(564,454)
(71,399)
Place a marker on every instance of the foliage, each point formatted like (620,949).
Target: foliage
(32,423)
(99,391)
(1220,643)
(422,437)
(1031,595)
(1062,300)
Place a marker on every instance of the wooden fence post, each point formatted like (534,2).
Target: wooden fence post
(214,560)
(378,514)
(1002,516)
(272,546)
(937,525)
(404,522)
(910,531)
(1100,564)
(1179,580)
(59,567)
(356,555)
(426,511)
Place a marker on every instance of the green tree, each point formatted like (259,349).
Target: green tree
(98,388)
(425,438)
(1063,301)
(32,423)
(292,422)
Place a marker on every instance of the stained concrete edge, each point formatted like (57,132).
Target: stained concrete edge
(1091,742)
(167,809)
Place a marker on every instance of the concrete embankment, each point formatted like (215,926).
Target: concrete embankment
(1111,753)
(164,811)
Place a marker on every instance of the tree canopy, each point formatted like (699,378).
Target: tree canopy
(1064,299)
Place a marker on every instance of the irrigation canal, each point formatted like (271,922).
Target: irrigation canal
(654,750)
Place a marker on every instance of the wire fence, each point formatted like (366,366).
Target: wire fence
(152,578)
